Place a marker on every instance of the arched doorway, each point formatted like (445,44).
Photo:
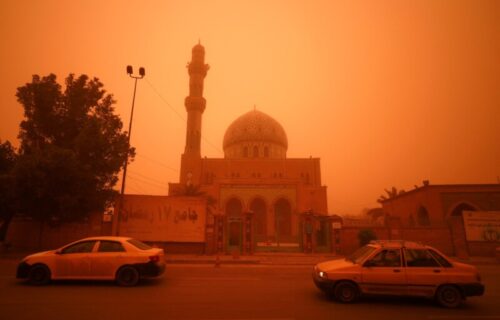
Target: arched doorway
(457,229)
(423,217)
(283,220)
(234,216)
(259,209)
(457,212)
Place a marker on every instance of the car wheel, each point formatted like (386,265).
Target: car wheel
(127,276)
(39,275)
(346,292)
(449,296)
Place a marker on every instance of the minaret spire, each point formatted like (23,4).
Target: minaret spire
(195,105)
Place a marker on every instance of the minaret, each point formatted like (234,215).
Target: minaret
(195,105)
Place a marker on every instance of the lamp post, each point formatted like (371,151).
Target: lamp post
(130,72)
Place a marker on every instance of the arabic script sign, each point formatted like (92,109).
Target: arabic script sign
(482,225)
(161,218)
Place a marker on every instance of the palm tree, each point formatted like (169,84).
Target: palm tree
(390,194)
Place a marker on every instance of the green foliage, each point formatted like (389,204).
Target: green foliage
(72,148)
(365,236)
(8,198)
(392,193)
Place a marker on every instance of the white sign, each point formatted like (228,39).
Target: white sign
(336,225)
(482,225)
(163,218)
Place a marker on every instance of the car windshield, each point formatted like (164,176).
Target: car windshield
(360,254)
(138,244)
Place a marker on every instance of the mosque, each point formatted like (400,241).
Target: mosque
(255,199)
(259,198)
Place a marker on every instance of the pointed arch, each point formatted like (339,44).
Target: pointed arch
(283,214)
(259,208)
(234,207)
(423,217)
(463,206)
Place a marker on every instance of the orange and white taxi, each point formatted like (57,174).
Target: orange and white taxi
(398,268)
(123,259)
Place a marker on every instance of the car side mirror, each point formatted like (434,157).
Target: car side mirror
(58,252)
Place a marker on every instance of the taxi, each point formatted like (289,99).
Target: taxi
(400,268)
(123,259)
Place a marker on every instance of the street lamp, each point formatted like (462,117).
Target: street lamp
(130,72)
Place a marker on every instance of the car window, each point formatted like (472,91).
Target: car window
(419,258)
(442,260)
(80,247)
(361,254)
(138,244)
(386,258)
(110,246)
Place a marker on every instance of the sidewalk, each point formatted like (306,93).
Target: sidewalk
(299,259)
(296,259)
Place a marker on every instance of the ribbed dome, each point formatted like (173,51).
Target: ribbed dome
(255,128)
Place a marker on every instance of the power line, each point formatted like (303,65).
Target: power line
(156,185)
(157,162)
(180,116)
(147,178)
(165,101)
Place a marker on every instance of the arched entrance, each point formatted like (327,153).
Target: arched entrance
(457,229)
(423,217)
(283,221)
(234,216)
(259,209)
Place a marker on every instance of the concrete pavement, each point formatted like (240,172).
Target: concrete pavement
(299,259)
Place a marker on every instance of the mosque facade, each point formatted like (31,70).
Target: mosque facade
(258,199)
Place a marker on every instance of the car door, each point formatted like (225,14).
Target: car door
(73,261)
(109,256)
(384,273)
(424,272)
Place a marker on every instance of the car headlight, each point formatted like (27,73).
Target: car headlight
(322,274)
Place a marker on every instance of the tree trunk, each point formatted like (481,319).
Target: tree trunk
(5,226)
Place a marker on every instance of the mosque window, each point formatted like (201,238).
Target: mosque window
(245,152)
(255,151)
(423,217)
(266,152)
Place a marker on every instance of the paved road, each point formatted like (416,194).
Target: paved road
(228,292)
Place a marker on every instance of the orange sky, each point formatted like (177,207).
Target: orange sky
(386,93)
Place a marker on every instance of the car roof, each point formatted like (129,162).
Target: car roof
(398,244)
(112,238)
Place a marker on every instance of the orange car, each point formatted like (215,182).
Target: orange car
(123,259)
(398,268)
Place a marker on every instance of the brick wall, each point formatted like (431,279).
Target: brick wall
(27,234)
(436,237)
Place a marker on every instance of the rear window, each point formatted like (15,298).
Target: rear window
(138,244)
(419,258)
(442,260)
(110,246)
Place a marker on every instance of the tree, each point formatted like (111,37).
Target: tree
(390,194)
(8,201)
(365,236)
(72,148)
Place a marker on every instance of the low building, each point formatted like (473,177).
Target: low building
(460,219)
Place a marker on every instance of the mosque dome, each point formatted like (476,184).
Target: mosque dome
(255,135)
